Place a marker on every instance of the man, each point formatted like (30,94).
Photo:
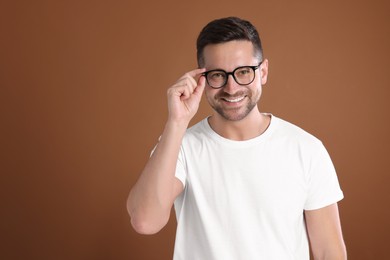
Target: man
(245,185)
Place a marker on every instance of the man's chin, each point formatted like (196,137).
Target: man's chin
(233,114)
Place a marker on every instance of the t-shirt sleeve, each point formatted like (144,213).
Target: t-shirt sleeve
(180,172)
(323,185)
(180,167)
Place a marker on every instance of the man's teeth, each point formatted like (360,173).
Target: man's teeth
(234,100)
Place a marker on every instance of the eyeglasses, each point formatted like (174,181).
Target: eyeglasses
(244,75)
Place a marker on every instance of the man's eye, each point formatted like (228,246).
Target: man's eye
(244,71)
(217,75)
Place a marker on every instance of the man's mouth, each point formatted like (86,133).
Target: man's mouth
(233,100)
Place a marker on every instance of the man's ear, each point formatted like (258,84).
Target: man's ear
(264,71)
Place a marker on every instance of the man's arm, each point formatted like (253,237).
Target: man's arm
(151,198)
(325,235)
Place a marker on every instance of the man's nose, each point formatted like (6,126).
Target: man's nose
(231,85)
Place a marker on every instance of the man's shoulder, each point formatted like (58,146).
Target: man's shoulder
(198,127)
(197,131)
(292,131)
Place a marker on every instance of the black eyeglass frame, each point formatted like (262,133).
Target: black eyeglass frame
(254,68)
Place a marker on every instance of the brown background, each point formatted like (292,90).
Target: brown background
(83,101)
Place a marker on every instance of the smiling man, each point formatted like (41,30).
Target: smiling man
(245,184)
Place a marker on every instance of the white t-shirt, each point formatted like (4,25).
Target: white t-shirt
(244,200)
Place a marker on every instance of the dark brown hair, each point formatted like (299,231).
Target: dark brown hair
(225,30)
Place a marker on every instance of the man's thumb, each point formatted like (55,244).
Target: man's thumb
(201,86)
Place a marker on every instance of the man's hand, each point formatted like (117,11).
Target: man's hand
(185,95)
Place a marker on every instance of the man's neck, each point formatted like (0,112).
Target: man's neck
(253,125)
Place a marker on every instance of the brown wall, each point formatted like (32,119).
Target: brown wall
(83,101)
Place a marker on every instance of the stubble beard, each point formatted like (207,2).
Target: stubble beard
(234,114)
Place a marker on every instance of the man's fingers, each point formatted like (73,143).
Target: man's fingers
(196,72)
(186,93)
(190,81)
(192,75)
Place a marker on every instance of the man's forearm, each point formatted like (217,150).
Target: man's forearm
(152,197)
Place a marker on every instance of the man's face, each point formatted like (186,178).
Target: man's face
(234,102)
